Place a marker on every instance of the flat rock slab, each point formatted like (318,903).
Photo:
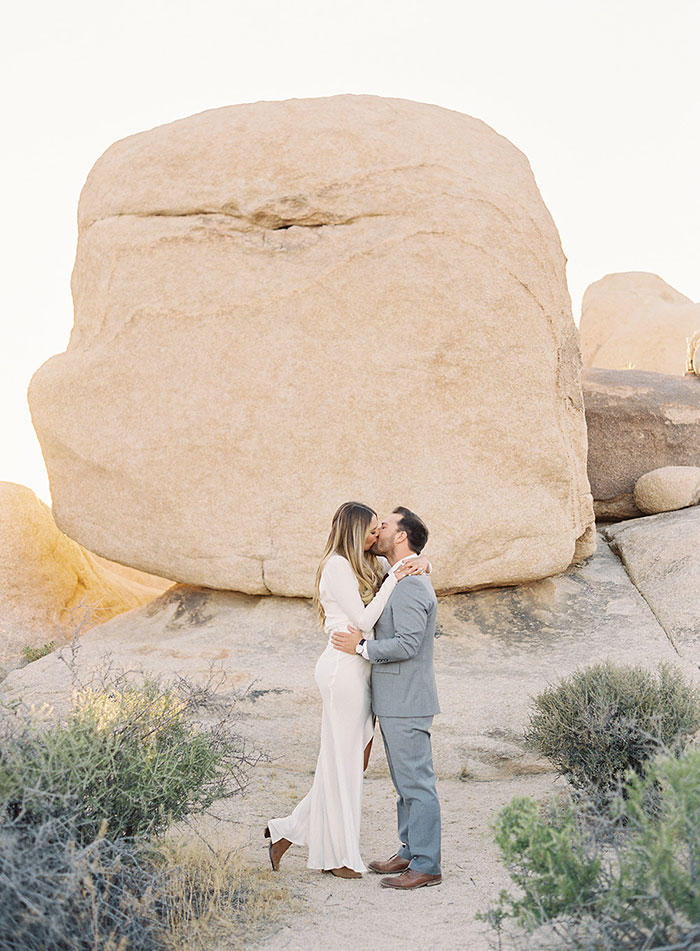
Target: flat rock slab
(638,421)
(662,555)
(495,649)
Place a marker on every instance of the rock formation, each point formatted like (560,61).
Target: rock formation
(667,489)
(634,320)
(637,422)
(662,556)
(285,305)
(50,584)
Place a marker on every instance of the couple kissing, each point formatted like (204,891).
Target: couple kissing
(376,603)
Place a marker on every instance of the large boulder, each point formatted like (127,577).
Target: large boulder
(634,320)
(50,585)
(637,422)
(284,305)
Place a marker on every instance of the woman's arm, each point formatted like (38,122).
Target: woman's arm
(343,587)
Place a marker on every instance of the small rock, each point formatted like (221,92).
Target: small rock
(693,365)
(667,489)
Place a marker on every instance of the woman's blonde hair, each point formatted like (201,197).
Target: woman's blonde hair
(349,529)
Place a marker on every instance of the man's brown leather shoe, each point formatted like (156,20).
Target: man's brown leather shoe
(390,867)
(276,850)
(411,879)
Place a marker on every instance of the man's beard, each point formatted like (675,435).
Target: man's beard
(379,549)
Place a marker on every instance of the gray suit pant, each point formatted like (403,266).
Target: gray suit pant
(410,757)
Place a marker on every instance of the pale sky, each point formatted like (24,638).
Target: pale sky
(601,95)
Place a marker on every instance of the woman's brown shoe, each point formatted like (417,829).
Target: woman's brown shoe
(276,850)
(391,867)
(344,872)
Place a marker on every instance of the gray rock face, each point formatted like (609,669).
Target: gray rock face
(495,649)
(662,555)
(637,421)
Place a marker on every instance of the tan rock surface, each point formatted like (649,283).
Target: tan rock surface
(662,556)
(667,489)
(636,320)
(49,583)
(494,648)
(284,305)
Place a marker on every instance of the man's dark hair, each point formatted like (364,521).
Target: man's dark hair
(415,528)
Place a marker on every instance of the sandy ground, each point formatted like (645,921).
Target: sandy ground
(347,915)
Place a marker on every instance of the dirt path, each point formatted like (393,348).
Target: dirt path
(348,915)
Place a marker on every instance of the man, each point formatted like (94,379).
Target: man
(404,698)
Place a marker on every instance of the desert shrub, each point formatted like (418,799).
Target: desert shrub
(84,800)
(550,858)
(606,719)
(61,894)
(34,653)
(601,885)
(132,756)
(125,895)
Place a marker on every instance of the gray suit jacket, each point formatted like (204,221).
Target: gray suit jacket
(403,678)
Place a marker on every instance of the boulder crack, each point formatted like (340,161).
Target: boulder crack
(614,548)
(264,220)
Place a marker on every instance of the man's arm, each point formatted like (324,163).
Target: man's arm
(408,611)
(409,614)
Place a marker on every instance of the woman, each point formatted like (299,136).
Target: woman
(349,590)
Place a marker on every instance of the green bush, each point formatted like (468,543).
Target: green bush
(82,798)
(598,884)
(34,653)
(603,720)
(131,756)
(126,895)
(659,869)
(549,857)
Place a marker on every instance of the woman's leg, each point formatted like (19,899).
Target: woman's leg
(368,750)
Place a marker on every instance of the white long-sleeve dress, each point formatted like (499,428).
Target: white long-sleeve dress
(327,819)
